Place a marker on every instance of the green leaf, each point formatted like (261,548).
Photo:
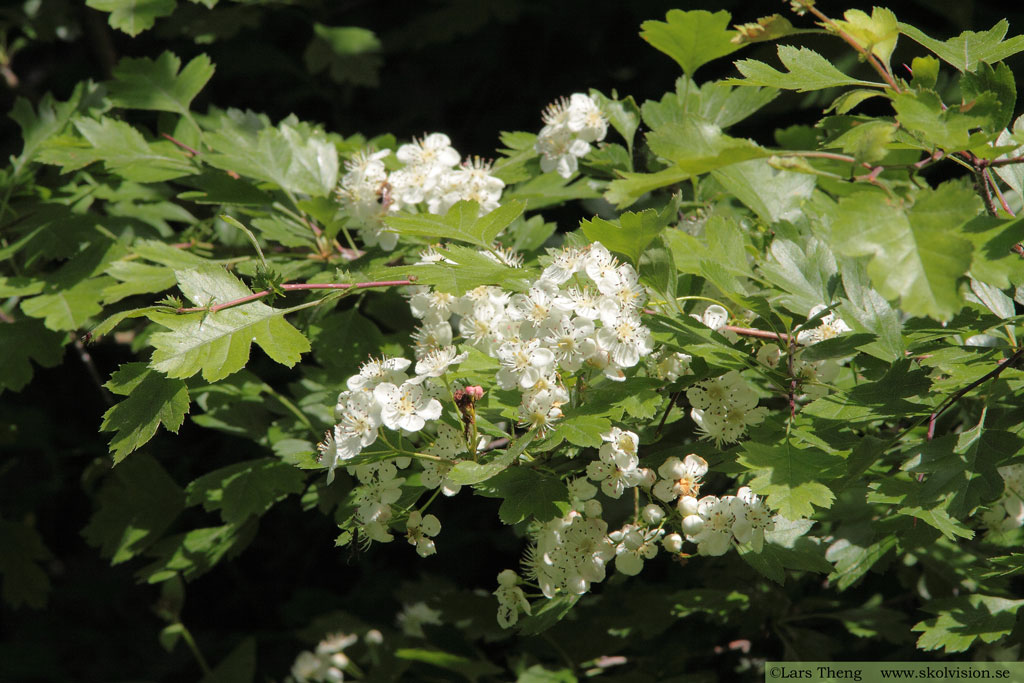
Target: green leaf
(25,582)
(21,342)
(215,187)
(961,620)
(873,312)
(52,118)
(691,38)
(623,114)
(900,391)
(550,189)
(471,669)
(349,54)
(136,278)
(344,340)
(137,503)
(715,102)
(962,470)
(468,472)
(461,223)
(152,400)
(156,84)
(133,16)
(294,156)
(582,430)
(630,237)
(791,478)
(632,186)
(868,142)
(916,254)
(853,560)
(217,344)
(696,147)
(806,70)
(527,494)
(950,128)
(993,260)
(877,34)
(926,72)
(772,194)
(805,276)
(73,292)
(194,553)
(994,84)
(970,47)
(123,151)
(245,489)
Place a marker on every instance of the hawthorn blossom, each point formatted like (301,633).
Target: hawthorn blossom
(511,599)
(829,327)
(405,407)
(420,530)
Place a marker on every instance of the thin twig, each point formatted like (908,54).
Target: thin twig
(753,332)
(190,150)
(90,367)
(293,288)
(671,402)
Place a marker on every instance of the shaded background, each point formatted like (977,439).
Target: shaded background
(464,67)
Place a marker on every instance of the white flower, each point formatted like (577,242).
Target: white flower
(437,362)
(680,477)
(715,534)
(830,327)
(430,337)
(448,445)
(620,449)
(472,181)
(523,364)
(420,530)
(752,519)
(540,410)
(615,471)
(634,546)
(432,150)
(669,366)
(405,407)
(569,128)
(566,340)
(586,119)
(714,316)
(625,339)
(564,265)
(373,372)
(511,599)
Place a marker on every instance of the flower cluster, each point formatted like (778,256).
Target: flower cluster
(569,553)
(713,523)
(723,407)
(431,179)
(583,311)
(569,128)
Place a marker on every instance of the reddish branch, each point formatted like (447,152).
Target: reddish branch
(191,151)
(293,288)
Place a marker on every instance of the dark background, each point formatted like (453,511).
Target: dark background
(464,67)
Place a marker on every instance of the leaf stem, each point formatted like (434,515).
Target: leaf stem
(294,288)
